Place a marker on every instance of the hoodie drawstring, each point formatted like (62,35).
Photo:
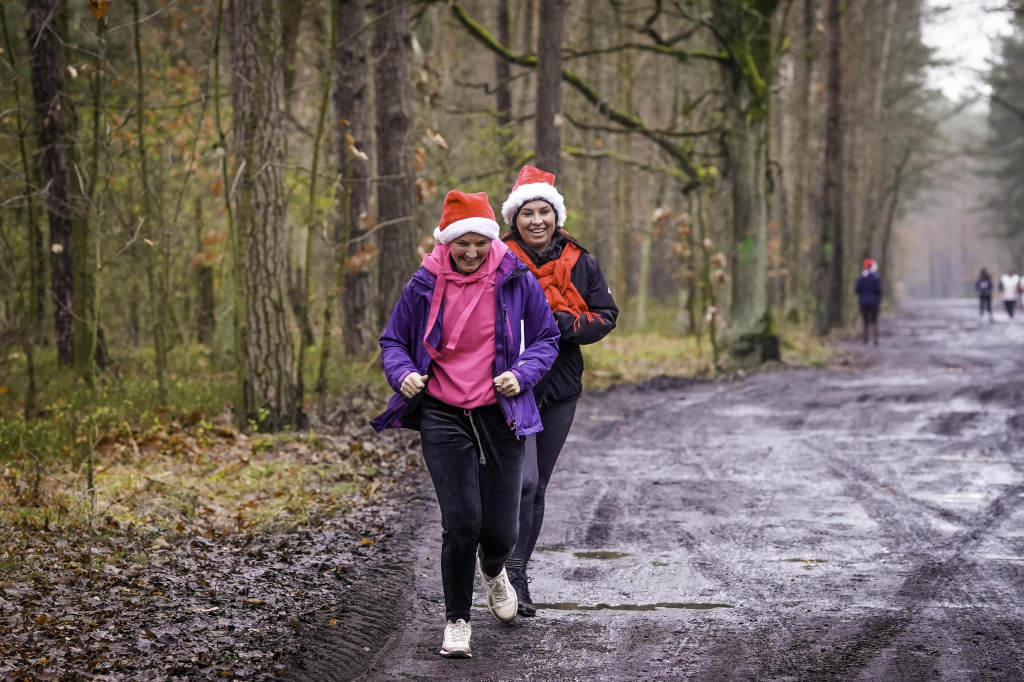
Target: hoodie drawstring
(479,444)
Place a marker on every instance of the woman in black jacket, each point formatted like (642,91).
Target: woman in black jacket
(585,311)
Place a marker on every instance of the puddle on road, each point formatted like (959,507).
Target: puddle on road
(808,563)
(600,555)
(572,606)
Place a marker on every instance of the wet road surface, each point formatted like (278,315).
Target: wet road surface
(864,522)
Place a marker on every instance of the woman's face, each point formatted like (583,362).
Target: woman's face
(536,224)
(469,252)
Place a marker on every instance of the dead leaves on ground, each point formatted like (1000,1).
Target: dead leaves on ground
(197,558)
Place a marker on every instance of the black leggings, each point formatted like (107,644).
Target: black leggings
(986,305)
(542,452)
(475,462)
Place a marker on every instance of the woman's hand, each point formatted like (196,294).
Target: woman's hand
(506,384)
(413,384)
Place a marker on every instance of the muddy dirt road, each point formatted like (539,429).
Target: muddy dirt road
(862,523)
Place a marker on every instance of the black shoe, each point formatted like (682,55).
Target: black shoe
(520,582)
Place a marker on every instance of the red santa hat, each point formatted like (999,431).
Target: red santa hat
(870,264)
(463,213)
(533,183)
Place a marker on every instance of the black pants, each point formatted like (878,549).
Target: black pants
(475,462)
(985,303)
(542,452)
(1009,305)
(870,315)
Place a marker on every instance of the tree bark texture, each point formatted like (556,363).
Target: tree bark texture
(549,86)
(258,84)
(205,318)
(830,258)
(503,91)
(46,61)
(745,149)
(357,285)
(397,236)
(797,281)
(745,30)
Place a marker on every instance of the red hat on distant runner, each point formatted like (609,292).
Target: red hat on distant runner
(870,264)
(532,184)
(463,213)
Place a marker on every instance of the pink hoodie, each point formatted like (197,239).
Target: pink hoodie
(463,365)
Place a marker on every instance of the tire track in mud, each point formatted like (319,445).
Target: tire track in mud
(345,641)
(926,582)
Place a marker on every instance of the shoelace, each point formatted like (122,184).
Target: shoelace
(460,630)
(498,588)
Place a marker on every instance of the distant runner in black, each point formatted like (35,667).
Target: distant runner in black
(869,294)
(984,288)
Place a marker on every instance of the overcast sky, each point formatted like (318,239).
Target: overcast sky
(964,35)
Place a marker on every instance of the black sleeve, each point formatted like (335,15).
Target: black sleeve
(589,281)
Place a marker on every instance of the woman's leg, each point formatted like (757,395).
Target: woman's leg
(530,478)
(557,418)
(499,481)
(450,453)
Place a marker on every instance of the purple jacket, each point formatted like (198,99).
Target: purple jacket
(526,342)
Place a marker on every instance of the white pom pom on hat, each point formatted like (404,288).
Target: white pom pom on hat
(463,213)
(533,183)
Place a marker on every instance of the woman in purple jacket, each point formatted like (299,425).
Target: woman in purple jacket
(469,338)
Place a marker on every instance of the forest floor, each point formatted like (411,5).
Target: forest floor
(851,522)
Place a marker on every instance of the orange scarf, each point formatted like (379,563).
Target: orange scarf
(554,278)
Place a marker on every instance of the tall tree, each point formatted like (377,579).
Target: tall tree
(357,286)
(46,60)
(156,266)
(549,86)
(258,84)
(392,50)
(503,90)
(1005,199)
(798,174)
(829,311)
(743,28)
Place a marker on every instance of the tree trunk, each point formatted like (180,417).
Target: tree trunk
(601,191)
(829,312)
(291,21)
(205,319)
(236,235)
(312,217)
(46,60)
(392,48)
(745,149)
(549,87)
(796,281)
(156,266)
(745,29)
(357,255)
(270,384)
(34,303)
(503,92)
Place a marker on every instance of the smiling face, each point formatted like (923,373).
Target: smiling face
(469,252)
(536,224)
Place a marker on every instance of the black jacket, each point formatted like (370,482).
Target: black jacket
(564,381)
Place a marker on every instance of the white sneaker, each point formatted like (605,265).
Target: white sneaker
(501,596)
(456,640)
